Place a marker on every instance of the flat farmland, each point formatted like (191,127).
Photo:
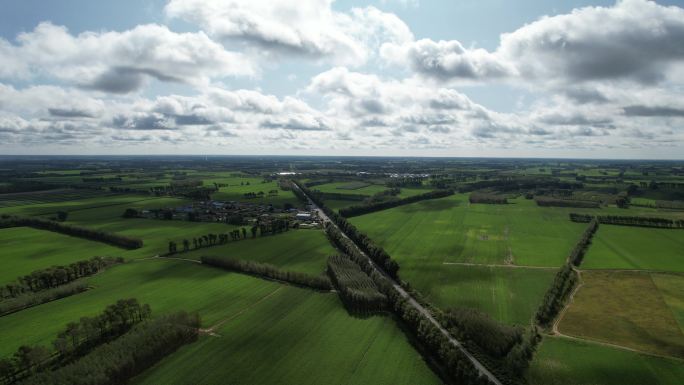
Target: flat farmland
(304,251)
(237,188)
(563,361)
(452,230)
(672,289)
(627,247)
(167,285)
(26,249)
(86,202)
(357,188)
(508,295)
(626,309)
(296,337)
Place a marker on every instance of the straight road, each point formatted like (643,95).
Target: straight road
(481,368)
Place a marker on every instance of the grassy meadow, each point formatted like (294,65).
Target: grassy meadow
(626,247)
(563,361)
(296,337)
(626,309)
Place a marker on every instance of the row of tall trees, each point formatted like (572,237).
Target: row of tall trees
(77,339)
(376,253)
(74,231)
(121,359)
(493,337)
(554,299)
(487,198)
(55,276)
(357,210)
(269,271)
(27,300)
(629,220)
(577,253)
(356,289)
(213,239)
(555,202)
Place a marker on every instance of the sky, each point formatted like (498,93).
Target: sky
(490,78)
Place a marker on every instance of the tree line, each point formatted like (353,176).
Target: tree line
(356,289)
(74,231)
(214,239)
(565,280)
(55,276)
(118,361)
(77,339)
(376,253)
(555,202)
(629,221)
(27,300)
(266,270)
(355,210)
(487,198)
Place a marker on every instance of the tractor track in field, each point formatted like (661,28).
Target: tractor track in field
(412,301)
(211,329)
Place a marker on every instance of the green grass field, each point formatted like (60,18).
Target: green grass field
(672,289)
(562,361)
(626,309)
(167,285)
(452,230)
(237,187)
(625,247)
(26,250)
(346,188)
(509,295)
(305,251)
(296,337)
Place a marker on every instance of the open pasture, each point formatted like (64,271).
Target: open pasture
(626,309)
(305,251)
(26,249)
(357,188)
(641,248)
(297,337)
(563,361)
(48,196)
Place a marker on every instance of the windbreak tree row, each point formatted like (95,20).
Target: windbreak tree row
(269,271)
(74,231)
(376,253)
(357,210)
(120,360)
(55,276)
(629,221)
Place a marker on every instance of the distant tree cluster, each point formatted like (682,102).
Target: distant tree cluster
(120,360)
(55,276)
(339,196)
(353,211)
(74,231)
(405,182)
(26,300)
(356,289)
(267,270)
(555,202)
(629,221)
(487,198)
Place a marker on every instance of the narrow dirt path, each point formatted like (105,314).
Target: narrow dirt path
(210,330)
(499,265)
(571,298)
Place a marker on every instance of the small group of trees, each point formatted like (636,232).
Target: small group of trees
(118,361)
(487,198)
(555,202)
(356,289)
(55,276)
(355,210)
(629,220)
(269,271)
(74,231)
